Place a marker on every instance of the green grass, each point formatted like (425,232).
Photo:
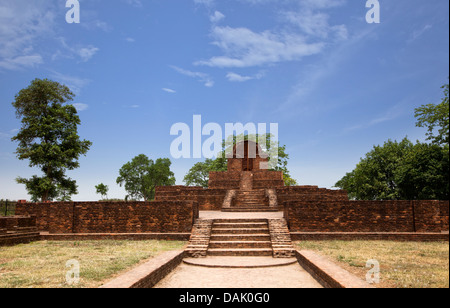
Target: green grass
(403,265)
(43,264)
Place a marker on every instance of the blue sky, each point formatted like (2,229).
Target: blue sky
(335,84)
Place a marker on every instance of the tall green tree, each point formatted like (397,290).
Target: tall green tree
(49,139)
(435,117)
(142,175)
(374,178)
(198,175)
(102,190)
(400,171)
(423,174)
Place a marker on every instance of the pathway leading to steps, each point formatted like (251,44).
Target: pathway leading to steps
(188,276)
(244,215)
(228,264)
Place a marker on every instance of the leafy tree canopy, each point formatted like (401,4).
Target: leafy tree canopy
(435,117)
(102,190)
(142,175)
(400,171)
(49,139)
(403,170)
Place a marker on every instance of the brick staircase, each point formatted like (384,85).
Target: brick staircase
(240,237)
(246,181)
(250,201)
(243,237)
(247,199)
(199,241)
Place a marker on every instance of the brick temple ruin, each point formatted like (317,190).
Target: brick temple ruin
(247,186)
(304,213)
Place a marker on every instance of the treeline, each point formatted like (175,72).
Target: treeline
(406,170)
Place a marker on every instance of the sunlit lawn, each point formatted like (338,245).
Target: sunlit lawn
(402,265)
(43,264)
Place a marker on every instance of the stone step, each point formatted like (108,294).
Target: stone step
(240,237)
(240,231)
(239,245)
(241,225)
(250,209)
(250,205)
(249,220)
(252,191)
(253,252)
(25,229)
(256,197)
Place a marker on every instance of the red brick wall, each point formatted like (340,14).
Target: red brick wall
(225,180)
(113,217)
(207,199)
(40,210)
(367,216)
(310,193)
(10,223)
(431,216)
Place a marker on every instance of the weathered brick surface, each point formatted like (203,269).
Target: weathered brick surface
(327,273)
(367,216)
(113,217)
(148,274)
(310,193)
(12,239)
(281,239)
(199,241)
(207,199)
(370,236)
(182,237)
(14,223)
(430,216)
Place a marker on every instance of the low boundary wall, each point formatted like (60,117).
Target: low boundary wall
(112,217)
(368,216)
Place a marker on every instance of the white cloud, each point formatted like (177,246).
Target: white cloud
(234,77)
(245,48)
(21,62)
(238,78)
(130,40)
(315,24)
(418,33)
(218,16)
(86,53)
(135,3)
(80,106)
(207,3)
(321,4)
(75,84)
(202,77)
(22,23)
(169,90)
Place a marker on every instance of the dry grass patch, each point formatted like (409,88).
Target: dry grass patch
(403,265)
(43,264)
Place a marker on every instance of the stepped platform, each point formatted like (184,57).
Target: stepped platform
(239,262)
(246,237)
